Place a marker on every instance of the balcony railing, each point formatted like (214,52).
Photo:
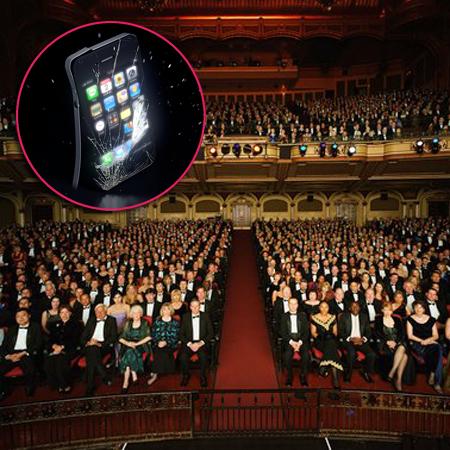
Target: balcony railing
(218,413)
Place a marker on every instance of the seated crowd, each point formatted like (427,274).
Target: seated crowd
(374,117)
(376,295)
(138,298)
(7,116)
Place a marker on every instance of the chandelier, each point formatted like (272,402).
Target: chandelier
(150,6)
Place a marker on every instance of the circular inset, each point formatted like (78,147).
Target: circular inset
(110,115)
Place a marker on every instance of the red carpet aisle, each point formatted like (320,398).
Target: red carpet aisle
(245,356)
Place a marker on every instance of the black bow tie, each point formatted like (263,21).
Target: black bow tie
(23,328)
(293,314)
(86,307)
(100,320)
(196,317)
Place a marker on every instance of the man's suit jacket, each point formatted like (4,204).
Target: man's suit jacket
(345,326)
(349,299)
(189,295)
(334,307)
(278,311)
(110,331)
(78,311)
(302,327)
(156,309)
(206,328)
(34,339)
(443,314)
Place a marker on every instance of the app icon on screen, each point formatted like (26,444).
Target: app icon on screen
(113,119)
(96,109)
(125,113)
(121,152)
(106,86)
(107,159)
(119,79)
(135,89)
(131,72)
(92,92)
(100,125)
(109,103)
(122,96)
(128,127)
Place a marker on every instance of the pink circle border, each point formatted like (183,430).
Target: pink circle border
(137,205)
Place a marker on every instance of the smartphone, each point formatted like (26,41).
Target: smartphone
(111,111)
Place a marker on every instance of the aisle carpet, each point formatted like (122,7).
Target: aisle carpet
(245,358)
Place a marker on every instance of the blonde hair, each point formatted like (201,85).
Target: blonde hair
(175,295)
(169,307)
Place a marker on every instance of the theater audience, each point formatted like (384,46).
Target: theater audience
(392,260)
(372,117)
(165,335)
(135,340)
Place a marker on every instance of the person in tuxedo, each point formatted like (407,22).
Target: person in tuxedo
(196,333)
(411,295)
(98,338)
(83,310)
(21,347)
(294,332)
(337,305)
(105,297)
(162,296)
(372,305)
(207,306)
(281,306)
(150,306)
(435,308)
(393,285)
(62,347)
(354,294)
(354,332)
(186,294)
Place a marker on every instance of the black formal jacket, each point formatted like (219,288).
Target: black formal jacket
(206,328)
(443,314)
(278,311)
(349,299)
(110,331)
(345,326)
(379,330)
(34,339)
(302,326)
(335,309)
(78,311)
(156,309)
(67,334)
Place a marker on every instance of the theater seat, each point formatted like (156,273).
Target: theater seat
(316,353)
(15,372)
(149,320)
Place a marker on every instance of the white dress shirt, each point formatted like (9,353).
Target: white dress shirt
(21,341)
(107,300)
(410,299)
(86,314)
(99,332)
(434,311)
(356,330)
(195,328)
(285,305)
(149,309)
(372,312)
(294,327)
(344,286)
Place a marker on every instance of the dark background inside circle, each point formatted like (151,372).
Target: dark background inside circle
(47,123)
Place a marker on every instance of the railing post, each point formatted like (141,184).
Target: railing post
(318,419)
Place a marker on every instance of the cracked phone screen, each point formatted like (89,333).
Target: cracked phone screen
(115,123)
